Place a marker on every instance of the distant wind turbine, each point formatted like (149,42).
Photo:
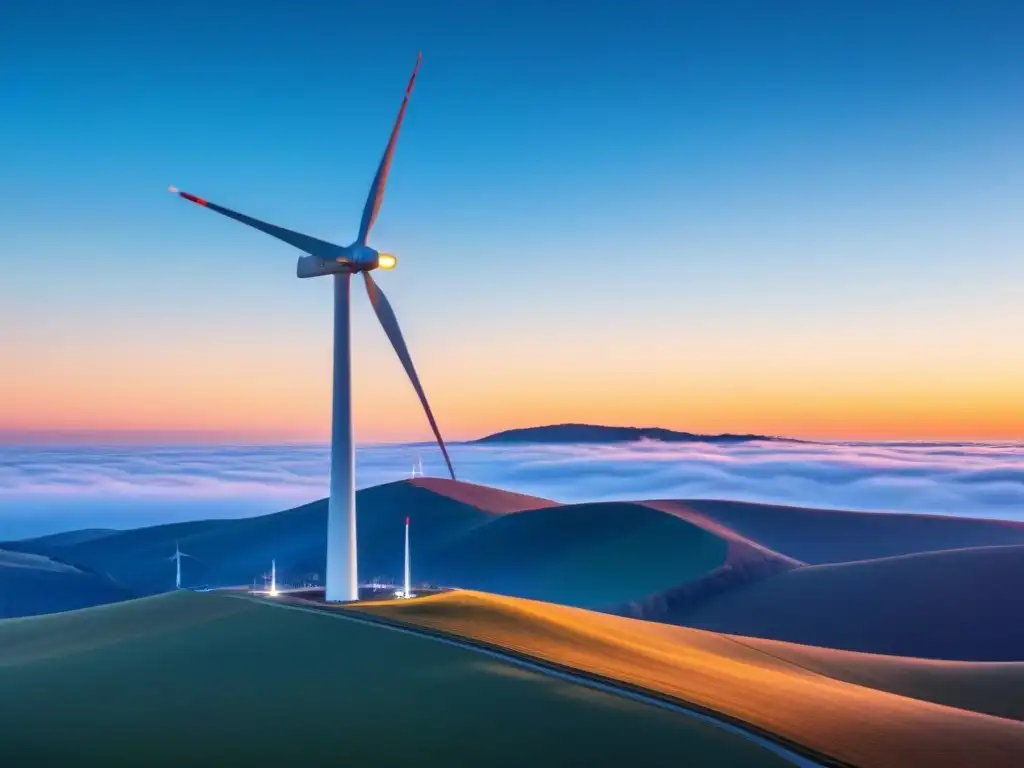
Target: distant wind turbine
(178,554)
(324,258)
(273,577)
(417,468)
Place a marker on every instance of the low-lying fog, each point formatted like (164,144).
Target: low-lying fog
(44,489)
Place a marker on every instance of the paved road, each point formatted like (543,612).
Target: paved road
(779,749)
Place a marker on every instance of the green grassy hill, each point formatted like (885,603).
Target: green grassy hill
(587,555)
(214,680)
(813,705)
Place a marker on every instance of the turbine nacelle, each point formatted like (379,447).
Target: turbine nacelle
(356,258)
(314,266)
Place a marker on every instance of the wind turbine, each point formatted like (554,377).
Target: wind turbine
(178,554)
(273,578)
(324,258)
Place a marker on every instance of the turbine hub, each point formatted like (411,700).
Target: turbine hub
(362,258)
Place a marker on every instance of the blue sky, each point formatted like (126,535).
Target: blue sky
(613,200)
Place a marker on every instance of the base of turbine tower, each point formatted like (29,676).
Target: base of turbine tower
(341,583)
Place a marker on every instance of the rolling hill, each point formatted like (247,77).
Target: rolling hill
(598,555)
(655,560)
(964,604)
(190,679)
(819,536)
(591,555)
(851,723)
(225,552)
(31,584)
(658,560)
(67,538)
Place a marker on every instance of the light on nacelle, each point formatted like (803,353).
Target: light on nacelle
(386,261)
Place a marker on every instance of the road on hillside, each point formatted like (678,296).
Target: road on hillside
(579,679)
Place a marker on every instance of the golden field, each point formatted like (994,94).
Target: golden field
(752,681)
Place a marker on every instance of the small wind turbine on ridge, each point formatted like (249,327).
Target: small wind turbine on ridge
(323,258)
(408,577)
(406,590)
(178,554)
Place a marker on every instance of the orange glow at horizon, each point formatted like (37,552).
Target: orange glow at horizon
(865,384)
(468,406)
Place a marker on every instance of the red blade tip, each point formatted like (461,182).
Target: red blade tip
(406,520)
(193,198)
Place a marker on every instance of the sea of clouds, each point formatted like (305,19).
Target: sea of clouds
(49,489)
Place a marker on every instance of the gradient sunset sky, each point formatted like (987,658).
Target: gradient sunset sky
(796,218)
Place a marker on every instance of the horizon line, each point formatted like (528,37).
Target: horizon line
(100,438)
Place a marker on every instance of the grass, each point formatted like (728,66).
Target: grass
(190,679)
(851,723)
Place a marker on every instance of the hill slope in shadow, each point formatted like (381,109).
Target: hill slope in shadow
(962,604)
(819,536)
(32,584)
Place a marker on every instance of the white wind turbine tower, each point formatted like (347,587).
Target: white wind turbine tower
(273,577)
(417,468)
(407,592)
(324,258)
(178,554)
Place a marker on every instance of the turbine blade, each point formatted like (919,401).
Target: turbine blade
(376,195)
(389,323)
(303,242)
